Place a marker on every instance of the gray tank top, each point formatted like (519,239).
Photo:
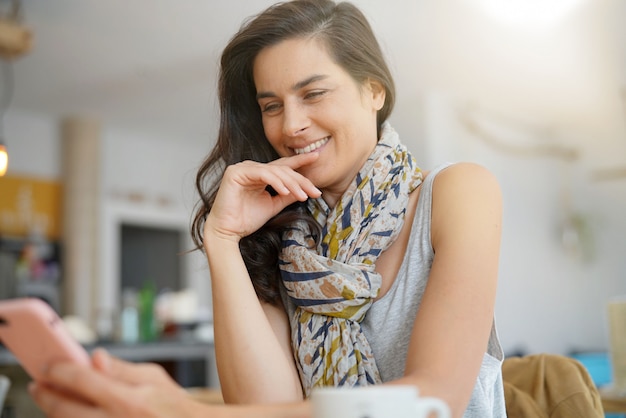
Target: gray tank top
(395,312)
(389,321)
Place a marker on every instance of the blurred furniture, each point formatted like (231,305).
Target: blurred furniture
(30,268)
(549,386)
(598,364)
(612,401)
(18,402)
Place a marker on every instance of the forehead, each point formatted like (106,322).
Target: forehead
(291,61)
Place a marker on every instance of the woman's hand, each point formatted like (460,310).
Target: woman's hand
(243,204)
(112,388)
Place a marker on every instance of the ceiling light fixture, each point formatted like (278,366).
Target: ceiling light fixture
(6,93)
(6,72)
(4,158)
(529,12)
(15,39)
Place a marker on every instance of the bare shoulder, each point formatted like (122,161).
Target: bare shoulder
(465,193)
(463,175)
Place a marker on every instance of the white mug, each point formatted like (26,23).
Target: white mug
(389,401)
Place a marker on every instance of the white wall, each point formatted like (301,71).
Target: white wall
(33,144)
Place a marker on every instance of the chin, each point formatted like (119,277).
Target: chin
(316,176)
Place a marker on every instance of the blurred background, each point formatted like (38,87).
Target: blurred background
(110,107)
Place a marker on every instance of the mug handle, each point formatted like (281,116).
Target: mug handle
(427,405)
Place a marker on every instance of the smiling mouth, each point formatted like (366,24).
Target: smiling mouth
(312,147)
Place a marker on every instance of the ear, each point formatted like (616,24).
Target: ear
(377,92)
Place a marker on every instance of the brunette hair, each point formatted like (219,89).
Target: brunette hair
(351,43)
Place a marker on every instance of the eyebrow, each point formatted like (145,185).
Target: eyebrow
(295,87)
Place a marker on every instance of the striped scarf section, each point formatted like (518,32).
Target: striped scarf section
(334,285)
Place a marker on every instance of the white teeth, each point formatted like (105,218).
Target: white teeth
(312,147)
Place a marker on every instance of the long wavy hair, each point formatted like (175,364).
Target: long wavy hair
(351,43)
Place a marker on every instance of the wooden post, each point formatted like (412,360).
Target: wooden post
(81,206)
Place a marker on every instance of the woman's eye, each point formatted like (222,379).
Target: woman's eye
(271,108)
(314,94)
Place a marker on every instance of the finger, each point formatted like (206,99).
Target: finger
(55,404)
(84,382)
(121,370)
(254,177)
(303,185)
(296,161)
(285,180)
(297,189)
(101,360)
(136,374)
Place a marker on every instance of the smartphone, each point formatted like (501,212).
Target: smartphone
(36,336)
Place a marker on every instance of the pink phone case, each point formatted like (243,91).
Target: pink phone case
(33,332)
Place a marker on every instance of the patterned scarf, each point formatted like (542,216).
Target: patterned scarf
(335,284)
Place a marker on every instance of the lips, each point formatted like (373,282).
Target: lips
(312,147)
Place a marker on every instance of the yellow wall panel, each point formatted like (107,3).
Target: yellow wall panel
(30,205)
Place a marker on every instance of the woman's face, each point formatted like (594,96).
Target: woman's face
(311,104)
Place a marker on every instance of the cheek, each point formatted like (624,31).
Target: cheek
(273,134)
(269,128)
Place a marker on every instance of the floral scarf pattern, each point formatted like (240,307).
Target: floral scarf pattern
(335,284)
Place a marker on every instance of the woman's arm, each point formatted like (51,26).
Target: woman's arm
(252,342)
(452,326)
(253,353)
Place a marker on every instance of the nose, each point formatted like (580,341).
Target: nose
(295,119)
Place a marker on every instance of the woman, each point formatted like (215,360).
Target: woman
(316,277)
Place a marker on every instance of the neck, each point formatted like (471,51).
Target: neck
(331,198)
